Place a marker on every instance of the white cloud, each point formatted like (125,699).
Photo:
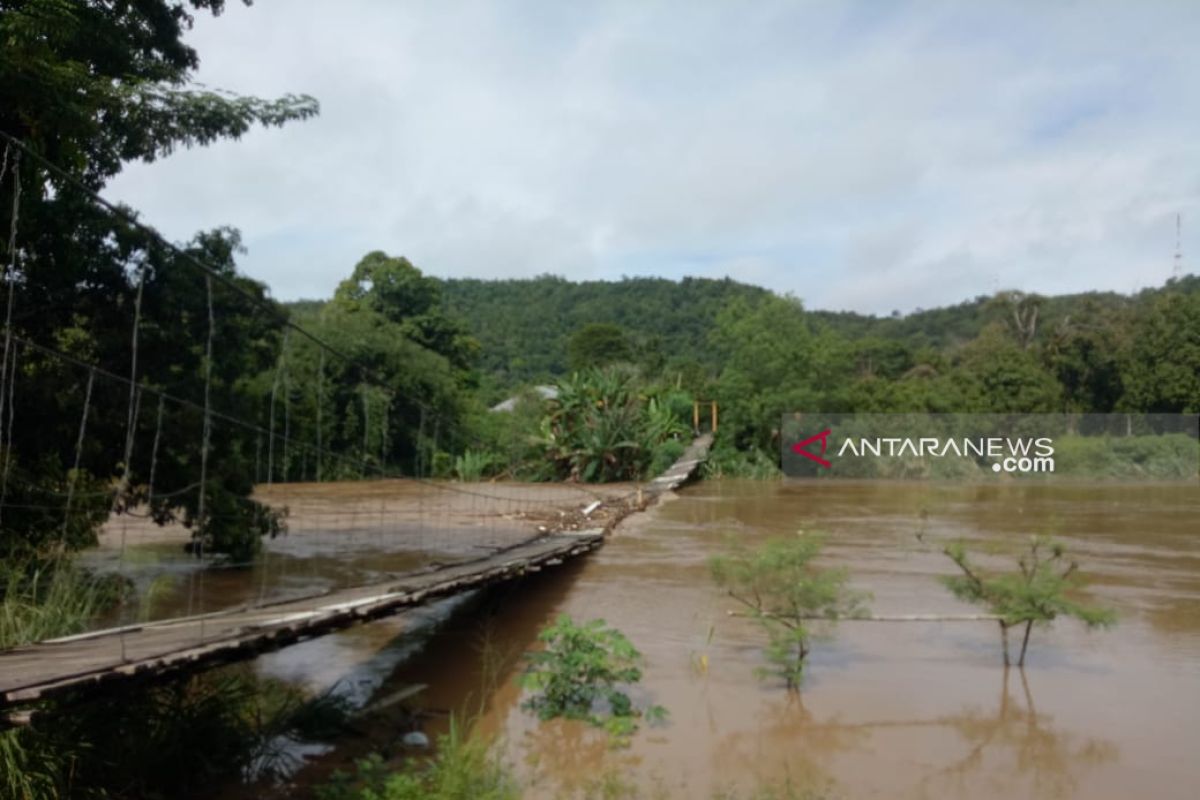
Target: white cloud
(858,155)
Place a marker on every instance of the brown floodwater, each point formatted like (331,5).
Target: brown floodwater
(907,710)
(338,534)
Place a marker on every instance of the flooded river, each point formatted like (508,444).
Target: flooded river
(887,709)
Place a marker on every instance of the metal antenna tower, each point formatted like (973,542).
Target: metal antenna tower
(1178,271)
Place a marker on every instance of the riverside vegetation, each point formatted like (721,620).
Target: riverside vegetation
(785,593)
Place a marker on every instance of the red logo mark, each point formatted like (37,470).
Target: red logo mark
(799,448)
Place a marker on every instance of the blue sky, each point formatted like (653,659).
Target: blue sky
(868,156)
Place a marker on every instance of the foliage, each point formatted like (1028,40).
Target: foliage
(462,768)
(667,454)
(91,87)
(473,465)
(762,355)
(581,667)
(725,462)
(395,289)
(1163,372)
(773,364)
(783,592)
(1038,592)
(526,325)
(602,427)
(598,344)
(1163,457)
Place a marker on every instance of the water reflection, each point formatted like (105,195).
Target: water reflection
(1017,750)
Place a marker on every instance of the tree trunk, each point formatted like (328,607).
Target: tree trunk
(1025,643)
(1004,640)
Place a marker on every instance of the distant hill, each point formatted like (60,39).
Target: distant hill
(524,325)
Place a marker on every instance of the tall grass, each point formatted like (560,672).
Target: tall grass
(473,465)
(463,767)
(42,600)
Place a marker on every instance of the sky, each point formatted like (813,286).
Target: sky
(868,156)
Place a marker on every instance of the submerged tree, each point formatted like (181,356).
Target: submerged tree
(1035,594)
(784,592)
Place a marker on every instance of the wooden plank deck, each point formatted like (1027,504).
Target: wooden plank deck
(37,671)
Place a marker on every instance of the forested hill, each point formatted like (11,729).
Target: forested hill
(525,326)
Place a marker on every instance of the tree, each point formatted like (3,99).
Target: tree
(1020,312)
(598,344)
(1036,594)
(773,365)
(1085,353)
(994,374)
(784,592)
(90,86)
(1162,372)
(395,289)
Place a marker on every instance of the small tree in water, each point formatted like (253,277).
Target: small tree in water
(1035,594)
(584,665)
(783,592)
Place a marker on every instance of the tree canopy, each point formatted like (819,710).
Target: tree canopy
(87,87)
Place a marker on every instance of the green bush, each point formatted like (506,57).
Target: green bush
(1167,457)
(474,465)
(725,462)
(441,465)
(582,668)
(665,455)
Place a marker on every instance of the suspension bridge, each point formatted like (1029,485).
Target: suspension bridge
(163,648)
(283,485)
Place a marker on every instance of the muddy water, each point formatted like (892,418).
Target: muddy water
(339,534)
(888,709)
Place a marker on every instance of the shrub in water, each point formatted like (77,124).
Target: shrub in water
(783,592)
(583,667)
(1034,594)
